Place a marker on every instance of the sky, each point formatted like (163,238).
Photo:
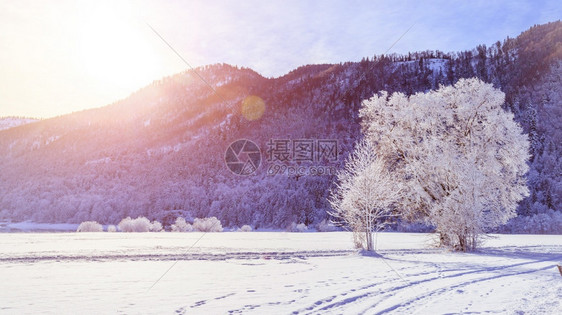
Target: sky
(61,56)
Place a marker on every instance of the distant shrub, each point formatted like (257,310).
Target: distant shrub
(125,225)
(89,226)
(211,224)
(412,227)
(325,226)
(301,227)
(549,222)
(181,226)
(140,224)
(156,226)
(245,228)
(111,228)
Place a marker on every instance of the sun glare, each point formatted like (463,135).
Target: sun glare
(253,107)
(115,47)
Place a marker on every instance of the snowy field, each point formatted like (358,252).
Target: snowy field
(274,273)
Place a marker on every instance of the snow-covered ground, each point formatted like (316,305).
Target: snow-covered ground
(274,273)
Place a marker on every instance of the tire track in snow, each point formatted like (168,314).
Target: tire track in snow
(386,293)
(448,288)
(281,255)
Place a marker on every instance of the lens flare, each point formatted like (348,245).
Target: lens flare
(253,107)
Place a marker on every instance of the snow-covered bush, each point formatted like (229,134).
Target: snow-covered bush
(294,227)
(325,226)
(291,227)
(89,226)
(211,224)
(111,228)
(126,225)
(156,226)
(245,228)
(140,224)
(181,225)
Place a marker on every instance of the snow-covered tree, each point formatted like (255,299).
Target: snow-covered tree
(461,157)
(363,197)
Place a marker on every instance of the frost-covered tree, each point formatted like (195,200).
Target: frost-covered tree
(461,157)
(364,194)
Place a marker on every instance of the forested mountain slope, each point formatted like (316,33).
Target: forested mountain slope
(160,152)
(11,122)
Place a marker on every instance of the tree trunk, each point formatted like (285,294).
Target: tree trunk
(462,243)
(369,237)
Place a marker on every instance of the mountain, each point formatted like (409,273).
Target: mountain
(161,152)
(11,122)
